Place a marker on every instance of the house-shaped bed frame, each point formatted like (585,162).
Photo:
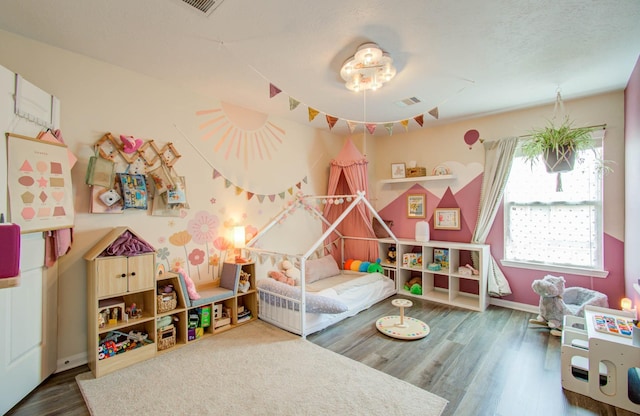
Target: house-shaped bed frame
(326,244)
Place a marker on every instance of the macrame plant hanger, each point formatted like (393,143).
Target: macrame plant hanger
(558,115)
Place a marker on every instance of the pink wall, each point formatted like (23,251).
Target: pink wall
(520,280)
(632,176)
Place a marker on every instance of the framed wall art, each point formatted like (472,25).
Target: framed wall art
(446,219)
(416,205)
(397,170)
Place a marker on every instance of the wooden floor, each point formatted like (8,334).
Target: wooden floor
(490,363)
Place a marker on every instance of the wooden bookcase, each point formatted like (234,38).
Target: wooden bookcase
(446,285)
(117,282)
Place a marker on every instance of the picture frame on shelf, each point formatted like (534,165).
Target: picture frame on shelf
(416,206)
(446,219)
(398,170)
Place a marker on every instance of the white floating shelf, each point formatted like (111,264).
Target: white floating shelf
(419,179)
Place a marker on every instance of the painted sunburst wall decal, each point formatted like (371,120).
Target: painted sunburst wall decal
(241,133)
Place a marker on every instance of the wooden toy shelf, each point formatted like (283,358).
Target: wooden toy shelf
(117,282)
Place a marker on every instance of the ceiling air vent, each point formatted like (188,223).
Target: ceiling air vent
(205,6)
(408,101)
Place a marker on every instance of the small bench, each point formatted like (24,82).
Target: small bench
(211,292)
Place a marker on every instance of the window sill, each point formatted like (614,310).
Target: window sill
(557,269)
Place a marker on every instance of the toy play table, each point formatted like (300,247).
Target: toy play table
(402,327)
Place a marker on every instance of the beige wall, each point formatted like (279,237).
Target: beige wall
(97,98)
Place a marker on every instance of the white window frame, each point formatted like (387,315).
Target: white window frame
(598,271)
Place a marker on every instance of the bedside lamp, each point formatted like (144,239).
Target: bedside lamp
(239,242)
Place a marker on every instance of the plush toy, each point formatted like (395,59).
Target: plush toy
(191,287)
(391,255)
(414,285)
(278,276)
(243,284)
(129,144)
(556,301)
(291,271)
(364,266)
(355,265)
(347,264)
(375,267)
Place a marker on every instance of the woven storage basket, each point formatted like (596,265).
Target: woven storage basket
(166,338)
(165,304)
(413,172)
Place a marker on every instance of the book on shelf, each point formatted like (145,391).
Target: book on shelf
(441,257)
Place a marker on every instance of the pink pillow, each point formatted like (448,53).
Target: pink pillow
(320,268)
(191,287)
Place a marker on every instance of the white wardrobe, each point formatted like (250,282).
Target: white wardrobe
(28,311)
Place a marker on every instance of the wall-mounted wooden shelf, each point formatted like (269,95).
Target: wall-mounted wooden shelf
(419,179)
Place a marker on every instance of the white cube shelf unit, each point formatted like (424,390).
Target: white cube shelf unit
(447,285)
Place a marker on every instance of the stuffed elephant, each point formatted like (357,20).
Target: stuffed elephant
(556,301)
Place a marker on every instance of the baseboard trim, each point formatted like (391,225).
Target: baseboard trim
(74,361)
(514,305)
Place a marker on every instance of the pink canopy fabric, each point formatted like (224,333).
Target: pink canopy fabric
(348,176)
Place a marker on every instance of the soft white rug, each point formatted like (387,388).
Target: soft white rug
(254,369)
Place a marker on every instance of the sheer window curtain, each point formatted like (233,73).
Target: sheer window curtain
(498,160)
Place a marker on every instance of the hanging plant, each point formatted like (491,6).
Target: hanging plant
(557,145)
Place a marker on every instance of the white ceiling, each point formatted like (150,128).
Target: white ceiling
(466,57)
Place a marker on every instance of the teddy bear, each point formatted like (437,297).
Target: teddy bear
(291,271)
(391,255)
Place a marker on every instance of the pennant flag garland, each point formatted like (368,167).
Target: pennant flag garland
(273,90)
(371,127)
(331,121)
(313,113)
(239,190)
(293,103)
(389,127)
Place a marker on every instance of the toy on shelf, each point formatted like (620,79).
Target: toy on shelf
(414,286)
(391,255)
(243,284)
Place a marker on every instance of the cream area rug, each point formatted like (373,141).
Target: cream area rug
(250,370)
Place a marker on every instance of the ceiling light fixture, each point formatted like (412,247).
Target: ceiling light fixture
(368,69)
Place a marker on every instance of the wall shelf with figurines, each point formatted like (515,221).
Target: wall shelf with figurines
(132,173)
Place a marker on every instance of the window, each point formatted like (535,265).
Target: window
(555,219)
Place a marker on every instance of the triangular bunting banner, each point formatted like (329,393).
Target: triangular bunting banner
(352,125)
(260,198)
(272,197)
(434,113)
(249,195)
(419,119)
(227,183)
(405,124)
(331,121)
(312,113)
(371,127)
(389,127)
(304,179)
(238,190)
(293,103)
(290,190)
(273,90)
(299,185)
(216,174)
(281,195)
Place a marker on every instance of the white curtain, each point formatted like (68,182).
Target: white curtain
(498,160)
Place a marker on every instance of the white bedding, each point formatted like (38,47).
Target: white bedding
(357,290)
